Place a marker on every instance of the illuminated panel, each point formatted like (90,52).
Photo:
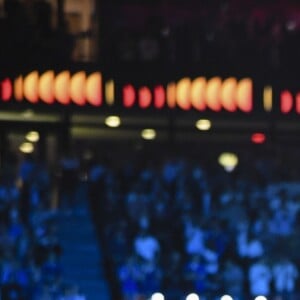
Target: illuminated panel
(171,94)
(198,93)
(62,87)
(258,138)
(268,98)
(77,88)
(18,88)
(183,93)
(46,87)
(128,95)
(286,102)
(298,103)
(228,94)
(110,92)
(144,97)
(159,96)
(31,83)
(6,89)
(213,91)
(93,88)
(245,95)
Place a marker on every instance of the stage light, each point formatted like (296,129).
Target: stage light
(192,296)
(32,136)
(228,161)
(203,124)
(258,138)
(226,297)
(113,121)
(148,134)
(260,298)
(157,296)
(26,148)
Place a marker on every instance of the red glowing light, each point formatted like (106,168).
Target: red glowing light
(6,89)
(144,97)
(159,96)
(258,138)
(286,102)
(128,95)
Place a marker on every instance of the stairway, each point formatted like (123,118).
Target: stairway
(81,257)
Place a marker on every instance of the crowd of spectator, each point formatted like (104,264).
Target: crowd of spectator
(178,226)
(30,250)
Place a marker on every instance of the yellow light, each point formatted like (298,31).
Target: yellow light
(46,87)
(62,87)
(183,93)
(94,88)
(148,134)
(244,95)
(198,93)
(171,94)
(31,87)
(113,121)
(77,88)
(203,124)
(26,148)
(228,94)
(268,98)
(110,92)
(32,136)
(18,88)
(213,93)
(228,161)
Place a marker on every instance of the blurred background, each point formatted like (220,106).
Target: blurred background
(149,149)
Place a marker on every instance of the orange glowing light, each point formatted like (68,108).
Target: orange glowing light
(171,95)
(18,88)
(258,138)
(6,89)
(213,93)
(198,93)
(298,103)
(62,87)
(77,88)
(31,87)
(183,93)
(159,96)
(244,95)
(128,95)
(145,97)
(94,89)
(110,92)
(228,94)
(286,102)
(46,87)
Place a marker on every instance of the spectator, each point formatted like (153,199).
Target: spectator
(260,276)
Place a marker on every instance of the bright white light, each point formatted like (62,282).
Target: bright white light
(228,161)
(148,134)
(203,124)
(192,296)
(26,148)
(32,136)
(157,296)
(260,298)
(113,121)
(226,297)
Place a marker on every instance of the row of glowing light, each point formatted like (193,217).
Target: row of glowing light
(194,296)
(201,124)
(215,94)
